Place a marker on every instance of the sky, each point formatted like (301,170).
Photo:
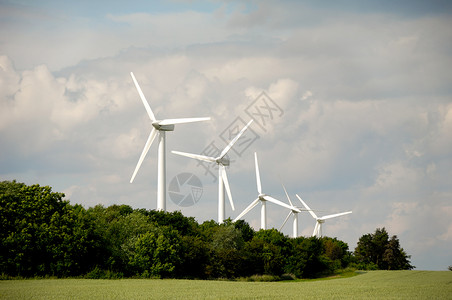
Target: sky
(351,102)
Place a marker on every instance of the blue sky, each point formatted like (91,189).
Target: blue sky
(363,91)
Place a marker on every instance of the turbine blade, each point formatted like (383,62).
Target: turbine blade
(335,215)
(285,221)
(195,156)
(246,210)
(226,184)
(143,98)
(307,207)
(236,138)
(288,198)
(258,177)
(182,120)
(145,151)
(280,203)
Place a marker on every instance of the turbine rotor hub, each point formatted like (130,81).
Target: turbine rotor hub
(158,126)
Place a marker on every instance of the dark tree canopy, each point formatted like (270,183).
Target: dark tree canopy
(378,251)
(41,234)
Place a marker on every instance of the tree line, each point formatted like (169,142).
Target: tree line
(41,234)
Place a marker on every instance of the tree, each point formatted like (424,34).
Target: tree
(226,245)
(41,234)
(245,228)
(395,257)
(336,251)
(194,257)
(115,226)
(155,253)
(308,259)
(266,253)
(378,251)
(176,220)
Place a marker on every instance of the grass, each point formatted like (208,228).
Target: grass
(368,285)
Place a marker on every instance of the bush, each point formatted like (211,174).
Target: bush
(364,266)
(98,273)
(262,278)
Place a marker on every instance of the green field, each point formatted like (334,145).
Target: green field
(369,285)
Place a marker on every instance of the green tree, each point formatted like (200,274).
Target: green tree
(155,253)
(336,251)
(226,246)
(71,242)
(176,220)
(194,257)
(245,228)
(308,259)
(115,226)
(395,257)
(266,253)
(378,251)
(41,233)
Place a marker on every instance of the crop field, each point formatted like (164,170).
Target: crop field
(368,285)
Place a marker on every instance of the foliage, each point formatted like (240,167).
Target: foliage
(378,251)
(115,226)
(194,258)
(155,253)
(43,235)
(226,247)
(309,259)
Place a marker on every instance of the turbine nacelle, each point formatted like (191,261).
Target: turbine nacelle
(262,197)
(223,161)
(166,127)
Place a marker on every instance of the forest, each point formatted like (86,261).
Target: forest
(42,235)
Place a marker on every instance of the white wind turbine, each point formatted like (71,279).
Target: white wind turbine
(160,127)
(320,220)
(222,162)
(294,212)
(262,198)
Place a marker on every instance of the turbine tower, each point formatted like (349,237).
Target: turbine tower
(262,198)
(320,220)
(160,127)
(222,162)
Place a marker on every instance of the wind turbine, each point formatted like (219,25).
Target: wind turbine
(320,220)
(222,162)
(160,127)
(262,198)
(293,211)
